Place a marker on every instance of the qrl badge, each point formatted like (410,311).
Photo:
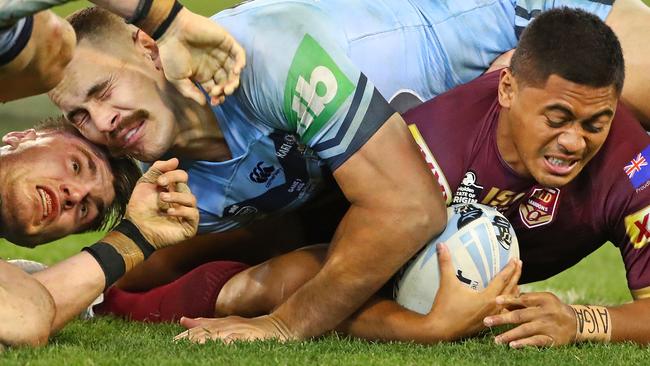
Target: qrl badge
(539,208)
(637,227)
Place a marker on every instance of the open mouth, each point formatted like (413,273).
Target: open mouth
(130,136)
(560,166)
(48,203)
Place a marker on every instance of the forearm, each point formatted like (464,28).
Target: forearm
(73,284)
(36,66)
(123,8)
(631,322)
(369,247)
(385,320)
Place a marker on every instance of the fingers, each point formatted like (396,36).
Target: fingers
(512,287)
(191,322)
(172,177)
(513,317)
(157,169)
(502,279)
(447,272)
(189,90)
(523,335)
(539,340)
(179,198)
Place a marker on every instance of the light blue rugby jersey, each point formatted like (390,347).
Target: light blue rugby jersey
(317,79)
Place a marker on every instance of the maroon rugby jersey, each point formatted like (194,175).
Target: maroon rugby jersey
(556,228)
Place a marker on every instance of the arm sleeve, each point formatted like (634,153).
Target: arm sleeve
(633,229)
(14,39)
(527,10)
(306,83)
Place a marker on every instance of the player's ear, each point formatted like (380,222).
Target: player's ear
(148,47)
(507,87)
(15,138)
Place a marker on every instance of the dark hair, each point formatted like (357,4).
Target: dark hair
(572,44)
(125,170)
(95,24)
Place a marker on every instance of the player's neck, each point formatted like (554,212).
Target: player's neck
(198,135)
(506,146)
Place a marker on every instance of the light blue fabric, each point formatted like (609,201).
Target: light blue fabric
(316,83)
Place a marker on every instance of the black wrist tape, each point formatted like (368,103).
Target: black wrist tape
(168,21)
(141,11)
(20,43)
(109,259)
(129,229)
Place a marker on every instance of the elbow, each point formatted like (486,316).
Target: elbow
(426,218)
(28,322)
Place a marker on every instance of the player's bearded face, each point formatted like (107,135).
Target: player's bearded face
(118,102)
(554,130)
(53,185)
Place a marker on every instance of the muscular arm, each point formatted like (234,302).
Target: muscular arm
(630,322)
(395,209)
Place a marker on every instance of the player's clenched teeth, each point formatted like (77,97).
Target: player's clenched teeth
(46,202)
(559,165)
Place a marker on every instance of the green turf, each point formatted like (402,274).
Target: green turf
(598,279)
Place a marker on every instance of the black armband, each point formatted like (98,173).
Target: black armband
(120,250)
(141,11)
(129,229)
(19,42)
(168,21)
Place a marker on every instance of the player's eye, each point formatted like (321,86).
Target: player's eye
(593,128)
(83,209)
(76,167)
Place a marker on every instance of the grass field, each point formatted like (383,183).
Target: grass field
(598,279)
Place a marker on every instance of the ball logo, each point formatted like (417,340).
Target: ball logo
(539,208)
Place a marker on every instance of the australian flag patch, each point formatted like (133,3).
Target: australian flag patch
(638,170)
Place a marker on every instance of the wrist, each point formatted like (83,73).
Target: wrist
(593,323)
(155,18)
(120,250)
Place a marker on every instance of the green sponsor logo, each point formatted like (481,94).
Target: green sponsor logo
(315,89)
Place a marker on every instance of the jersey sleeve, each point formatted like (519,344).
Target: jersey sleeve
(13,40)
(527,10)
(301,79)
(632,232)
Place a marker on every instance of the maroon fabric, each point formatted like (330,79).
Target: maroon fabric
(192,295)
(556,229)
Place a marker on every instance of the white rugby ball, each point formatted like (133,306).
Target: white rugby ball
(481,241)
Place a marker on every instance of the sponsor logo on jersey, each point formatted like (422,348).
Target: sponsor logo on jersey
(539,208)
(469,190)
(432,163)
(315,89)
(638,170)
(236,210)
(637,227)
(261,173)
(289,141)
(501,199)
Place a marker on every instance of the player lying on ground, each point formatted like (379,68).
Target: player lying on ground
(34,49)
(33,307)
(254,164)
(554,163)
(55,183)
